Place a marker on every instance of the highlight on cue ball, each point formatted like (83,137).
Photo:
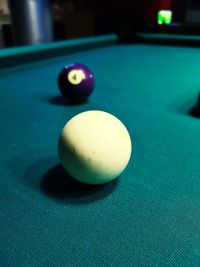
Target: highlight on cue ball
(94,147)
(76,82)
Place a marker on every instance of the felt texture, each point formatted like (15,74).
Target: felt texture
(150,215)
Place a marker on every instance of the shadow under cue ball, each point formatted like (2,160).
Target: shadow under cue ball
(94,147)
(76,82)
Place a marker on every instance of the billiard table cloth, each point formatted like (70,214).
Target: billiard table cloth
(150,215)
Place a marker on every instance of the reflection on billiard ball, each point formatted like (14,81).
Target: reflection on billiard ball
(76,82)
(94,147)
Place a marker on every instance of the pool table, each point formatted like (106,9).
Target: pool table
(150,215)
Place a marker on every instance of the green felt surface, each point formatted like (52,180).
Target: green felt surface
(169,39)
(26,54)
(150,216)
(170,36)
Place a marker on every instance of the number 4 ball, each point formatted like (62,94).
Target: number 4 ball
(94,147)
(76,82)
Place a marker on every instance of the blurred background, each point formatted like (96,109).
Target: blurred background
(25,22)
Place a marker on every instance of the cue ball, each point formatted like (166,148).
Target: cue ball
(76,82)
(94,147)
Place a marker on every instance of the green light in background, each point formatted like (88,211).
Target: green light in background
(164,17)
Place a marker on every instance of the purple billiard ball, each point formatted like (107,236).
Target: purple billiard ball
(76,82)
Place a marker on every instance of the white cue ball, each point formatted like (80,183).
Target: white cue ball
(94,147)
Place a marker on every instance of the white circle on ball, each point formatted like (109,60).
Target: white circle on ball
(94,147)
(76,76)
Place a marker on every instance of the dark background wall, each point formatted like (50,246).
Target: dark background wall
(180,8)
(116,16)
(119,15)
(78,18)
